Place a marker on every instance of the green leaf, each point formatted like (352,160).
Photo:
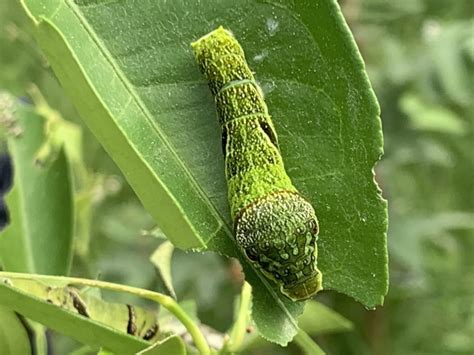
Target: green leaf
(426,116)
(450,64)
(161,258)
(320,319)
(25,294)
(40,204)
(129,69)
(13,335)
(171,345)
(413,231)
(71,324)
(317,319)
(307,344)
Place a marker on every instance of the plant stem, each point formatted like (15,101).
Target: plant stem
(307,344)
(238,330)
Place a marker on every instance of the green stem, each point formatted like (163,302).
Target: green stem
(237,334)
(307,344)
(166,301)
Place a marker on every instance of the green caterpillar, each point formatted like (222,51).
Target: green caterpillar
(129,319)
(275,227)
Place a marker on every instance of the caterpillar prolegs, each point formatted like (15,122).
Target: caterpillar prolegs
(275,227)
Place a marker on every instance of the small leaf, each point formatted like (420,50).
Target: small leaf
(425,116)
(241,320)
(171,345)
(71,324)
(317,319)
(448,59)
(320,319)
(161,258)
(13,335)
(40,204)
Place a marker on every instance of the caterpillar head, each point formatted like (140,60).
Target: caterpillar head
(278,235)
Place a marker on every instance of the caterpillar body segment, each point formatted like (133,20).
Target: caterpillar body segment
(275,227)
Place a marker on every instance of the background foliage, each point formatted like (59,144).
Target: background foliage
(420,59)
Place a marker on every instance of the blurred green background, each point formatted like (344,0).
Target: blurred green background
(420,59)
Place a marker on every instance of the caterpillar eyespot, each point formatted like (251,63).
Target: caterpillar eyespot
(274,226)
(251,253)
